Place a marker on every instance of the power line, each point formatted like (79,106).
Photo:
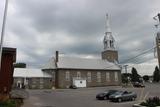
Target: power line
(142,61)
(144,52)
(131,66)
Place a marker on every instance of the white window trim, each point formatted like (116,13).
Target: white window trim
(67,75)
(98,76)
(108,76)
(78,74)
(89,76)
(116,76)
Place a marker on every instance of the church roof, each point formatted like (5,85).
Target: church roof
(82,63)
(50,64)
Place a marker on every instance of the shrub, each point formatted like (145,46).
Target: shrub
(8,103)
(151,102)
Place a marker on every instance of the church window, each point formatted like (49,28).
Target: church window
(110,43)
(107,76)
(41,80)
(116,76)
(67,75)
(98,76)
(89,78)
(78,75)
(53,73)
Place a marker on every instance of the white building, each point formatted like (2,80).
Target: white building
(31,78)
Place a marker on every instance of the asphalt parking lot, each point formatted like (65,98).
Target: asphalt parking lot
(85,97)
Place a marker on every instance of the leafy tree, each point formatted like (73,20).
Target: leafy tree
(135,76)
(156,74)
(145,77)
(20,65)
(125,77)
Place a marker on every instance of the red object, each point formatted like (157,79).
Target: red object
(7,68)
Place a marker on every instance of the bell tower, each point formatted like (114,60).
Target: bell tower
(110,53)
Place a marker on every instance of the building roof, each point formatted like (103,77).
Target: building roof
(50,64)
(25,72)
(81,63)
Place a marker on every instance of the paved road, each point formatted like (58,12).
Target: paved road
(84,97)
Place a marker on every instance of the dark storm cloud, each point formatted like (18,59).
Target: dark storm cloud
(78,26)
(84,48)
(64,16)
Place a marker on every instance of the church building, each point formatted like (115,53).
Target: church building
(84,72)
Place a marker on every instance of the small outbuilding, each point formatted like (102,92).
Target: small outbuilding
(31,78)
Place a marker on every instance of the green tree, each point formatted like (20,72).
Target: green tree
(134,75)
(20,65)
(145,77)
(156,74)
(125,77)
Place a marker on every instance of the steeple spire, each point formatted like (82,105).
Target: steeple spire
(108,41)
(108,29)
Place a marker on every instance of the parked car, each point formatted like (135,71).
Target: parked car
(123,96)
(105,95)
(73,86)
(138,84)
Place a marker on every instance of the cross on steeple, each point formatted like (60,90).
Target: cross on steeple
(108,29)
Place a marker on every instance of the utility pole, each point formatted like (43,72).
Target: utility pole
(158,37)
(125,66)
(3,30)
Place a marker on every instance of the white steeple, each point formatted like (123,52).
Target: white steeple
(108,41)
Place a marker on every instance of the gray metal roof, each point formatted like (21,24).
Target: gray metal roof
(50,64)
(81,63)
(26,72)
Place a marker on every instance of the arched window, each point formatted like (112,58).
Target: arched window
(110,43)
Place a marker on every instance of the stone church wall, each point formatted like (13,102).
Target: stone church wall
(63,83)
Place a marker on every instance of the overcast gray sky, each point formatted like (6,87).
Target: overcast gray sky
(37,28)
